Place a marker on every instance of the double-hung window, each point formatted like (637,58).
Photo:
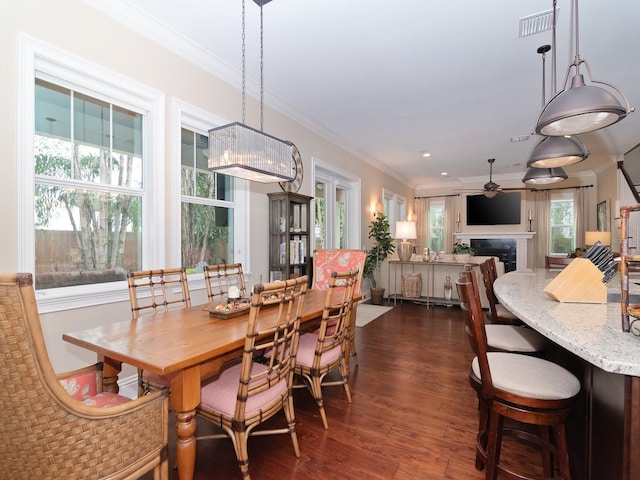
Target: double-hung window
(214,214)
(206,207)
(91,166)
(563,230)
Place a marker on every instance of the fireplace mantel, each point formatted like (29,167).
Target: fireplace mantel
(520,238)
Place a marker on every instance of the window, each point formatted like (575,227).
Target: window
(395,207)
(88,157)
(562,229)
(88,142)
(436,225)
(210,230)
(336,208)
(206,214)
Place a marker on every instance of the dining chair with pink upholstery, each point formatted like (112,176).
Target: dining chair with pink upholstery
(342,260)
(323,351)
(247,393)
(220,278)
(64,426)
(152,290)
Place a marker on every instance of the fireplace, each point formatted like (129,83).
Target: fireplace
(503,248)
(513,245)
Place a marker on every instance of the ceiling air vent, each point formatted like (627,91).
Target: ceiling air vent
(537,23)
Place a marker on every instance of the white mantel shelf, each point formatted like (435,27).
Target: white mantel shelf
(520,238)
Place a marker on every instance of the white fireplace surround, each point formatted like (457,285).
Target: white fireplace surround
(520,238)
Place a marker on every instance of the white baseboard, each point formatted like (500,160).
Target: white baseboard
(129,386)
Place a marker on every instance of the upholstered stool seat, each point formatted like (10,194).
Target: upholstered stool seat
(529,376)
(512,338)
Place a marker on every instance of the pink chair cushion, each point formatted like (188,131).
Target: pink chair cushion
(219,394)
(307,349)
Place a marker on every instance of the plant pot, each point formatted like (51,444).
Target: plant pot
(377,296)
(462,257)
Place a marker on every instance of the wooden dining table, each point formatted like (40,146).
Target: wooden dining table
(186,346)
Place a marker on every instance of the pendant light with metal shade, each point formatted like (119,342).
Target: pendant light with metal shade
(557,152)
(554,152)
(581,108)
(544,176)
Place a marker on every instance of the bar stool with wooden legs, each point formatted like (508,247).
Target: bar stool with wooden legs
(526,390)
(504,337)
(498,313)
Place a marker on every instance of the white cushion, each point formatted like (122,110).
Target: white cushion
(528,376)
(307,349)
(514,338)
(502,312)
(220,394)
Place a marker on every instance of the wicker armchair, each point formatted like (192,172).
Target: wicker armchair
(47,433)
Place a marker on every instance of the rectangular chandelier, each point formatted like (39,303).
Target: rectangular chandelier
(241,151)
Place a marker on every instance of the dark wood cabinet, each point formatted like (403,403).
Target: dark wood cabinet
(290,236)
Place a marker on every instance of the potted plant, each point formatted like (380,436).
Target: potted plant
(463,252)
(382,247)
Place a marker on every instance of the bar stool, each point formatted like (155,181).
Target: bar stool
(504,337)
(525,389)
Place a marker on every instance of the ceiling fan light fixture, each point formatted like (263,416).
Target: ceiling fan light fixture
(490,193)
(544,176)
(554,152)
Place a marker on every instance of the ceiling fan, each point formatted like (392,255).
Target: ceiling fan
(491,188)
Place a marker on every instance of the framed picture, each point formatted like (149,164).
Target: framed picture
(603,216)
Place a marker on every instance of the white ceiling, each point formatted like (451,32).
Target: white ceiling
(390,79)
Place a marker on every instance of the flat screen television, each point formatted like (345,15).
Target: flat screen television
(503,209)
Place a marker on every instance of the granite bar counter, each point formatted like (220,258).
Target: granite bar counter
(592,331)
(588,338)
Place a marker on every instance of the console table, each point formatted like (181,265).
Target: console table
(433,280)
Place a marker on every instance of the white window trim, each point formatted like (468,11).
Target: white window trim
(397,208)
(336,177)
(34,55)
(194,118)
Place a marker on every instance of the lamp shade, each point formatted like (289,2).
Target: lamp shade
(241,151)
(554,152)
(544,176)
(590,238)
(579,109)
(406,230)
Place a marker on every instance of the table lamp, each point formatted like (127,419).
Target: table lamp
(406,231)
(590,238)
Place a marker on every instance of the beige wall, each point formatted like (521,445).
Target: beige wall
(79,30)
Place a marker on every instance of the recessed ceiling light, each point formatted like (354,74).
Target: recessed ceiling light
(444,174)
(425,154)
(519,138)
(512,165)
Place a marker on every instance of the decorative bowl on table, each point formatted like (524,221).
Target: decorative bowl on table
(230,309)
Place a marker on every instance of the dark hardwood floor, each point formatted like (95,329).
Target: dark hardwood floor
(413,414)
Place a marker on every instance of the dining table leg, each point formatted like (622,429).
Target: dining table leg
(110,371)
(185,397)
